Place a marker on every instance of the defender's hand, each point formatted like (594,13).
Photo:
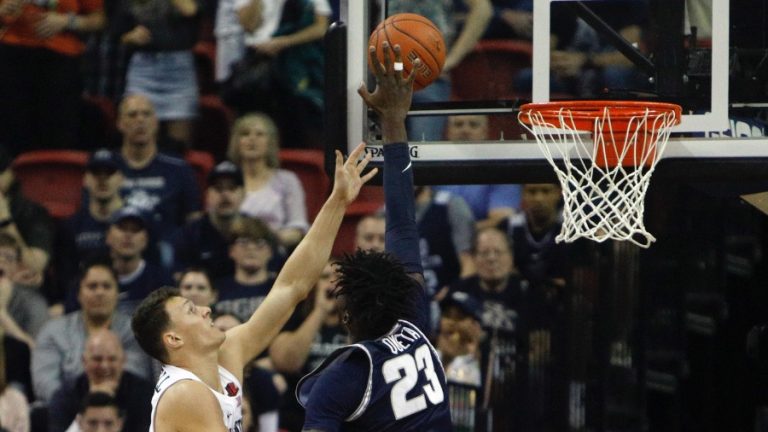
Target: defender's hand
(349,178)
(392,96)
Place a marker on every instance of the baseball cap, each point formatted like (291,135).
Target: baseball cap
(464,301)
(225,169)
(126,213)
(102,158)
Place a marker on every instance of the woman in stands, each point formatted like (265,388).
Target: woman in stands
(272,194)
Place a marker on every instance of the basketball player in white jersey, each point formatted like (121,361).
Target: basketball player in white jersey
(200,386)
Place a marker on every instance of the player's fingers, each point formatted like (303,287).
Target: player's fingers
(398,66)
(339,159)
(363,163)
(355,155)
(369,175)
(378,69)
(412,75)
(387,59)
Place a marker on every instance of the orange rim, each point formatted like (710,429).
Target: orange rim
(585,112)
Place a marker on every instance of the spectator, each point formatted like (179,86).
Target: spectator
(160,185)
(161,35)
(272,194)
(505,318)
(490,204)
(369,233)
(195,284)
(40,84)
(83,235)
(103,363)
(14,409)
(445,227)
(479,13)
(540,259)
(26,221)
(127,239)
(313,332)
(459,345)
(99,412)
(288,34)
(252,248)
(23,311)
(204,242)
(55,359)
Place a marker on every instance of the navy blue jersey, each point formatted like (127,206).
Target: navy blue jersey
(165,189)
(393,383)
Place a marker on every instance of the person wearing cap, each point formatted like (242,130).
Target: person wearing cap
(204,242)
(28,222)
(57,357)
(83,235)
(127,240)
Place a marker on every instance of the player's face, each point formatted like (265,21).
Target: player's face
(253,140)
(493,258)
(137,120)
(104,360)
(100,419)
(541,200)
(102,183)
(127,238)
(193,324)
(467,128)
(98,293)
(196,287)
(370,234)
(224,197)
(251,254)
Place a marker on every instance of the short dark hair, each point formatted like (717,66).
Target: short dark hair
(377,292)
(196,269)
(253,229)
(99,399)
(150,320)
(97,261)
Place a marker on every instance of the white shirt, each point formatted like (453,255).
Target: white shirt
(231,403)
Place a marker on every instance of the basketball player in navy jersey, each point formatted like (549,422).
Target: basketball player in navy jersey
(200,387)
(391,379)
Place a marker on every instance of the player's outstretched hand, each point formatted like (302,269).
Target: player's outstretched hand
(349,177)
(391,98)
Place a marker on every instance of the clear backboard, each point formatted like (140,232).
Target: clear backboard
(706,55)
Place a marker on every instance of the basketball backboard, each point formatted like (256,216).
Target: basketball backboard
(718,78)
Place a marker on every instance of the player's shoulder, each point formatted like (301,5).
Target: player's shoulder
(187,402)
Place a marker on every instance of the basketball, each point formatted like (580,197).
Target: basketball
(418,38)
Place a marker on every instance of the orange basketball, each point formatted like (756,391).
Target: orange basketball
(418,38)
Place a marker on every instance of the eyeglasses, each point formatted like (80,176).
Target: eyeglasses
(257,243)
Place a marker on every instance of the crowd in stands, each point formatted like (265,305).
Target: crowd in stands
(147,218)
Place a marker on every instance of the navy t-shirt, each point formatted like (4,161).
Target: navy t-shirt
(165,189)
(241,300)
(394,383)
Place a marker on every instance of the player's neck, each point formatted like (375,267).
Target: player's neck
(204,366)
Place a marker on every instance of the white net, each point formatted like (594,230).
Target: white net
(604,165)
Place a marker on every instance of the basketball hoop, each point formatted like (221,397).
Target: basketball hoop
(603,153)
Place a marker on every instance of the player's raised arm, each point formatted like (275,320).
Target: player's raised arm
(301,270)
(391,100)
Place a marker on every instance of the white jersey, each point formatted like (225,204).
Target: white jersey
(231,403)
